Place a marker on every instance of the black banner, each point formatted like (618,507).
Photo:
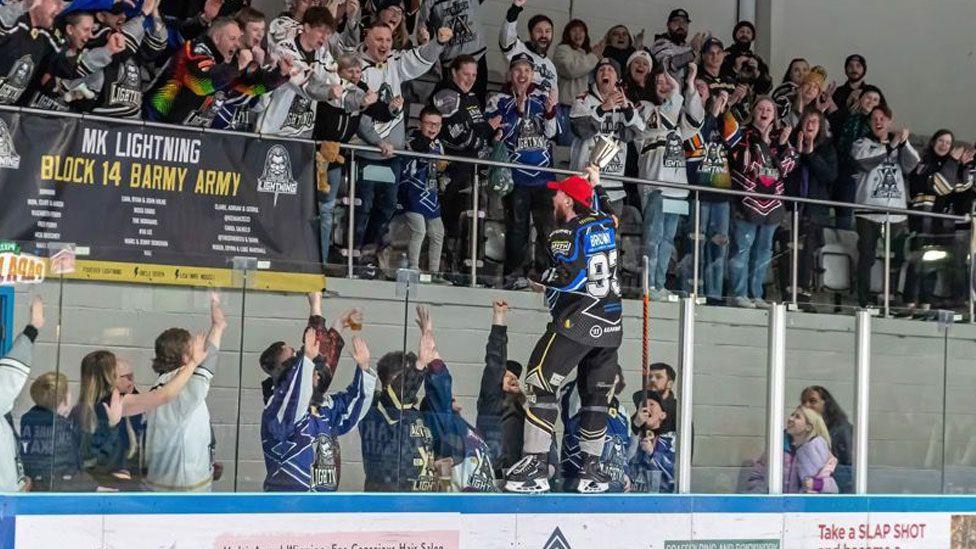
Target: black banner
(143,195)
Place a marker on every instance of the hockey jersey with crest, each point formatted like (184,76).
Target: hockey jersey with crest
(582,289)
(590,122)
(527,131)
(27,53)
(117,88)
(301,450)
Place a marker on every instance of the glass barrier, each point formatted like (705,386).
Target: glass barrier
(820,377)
(34,368)
(152,372)
(960,434)
(906,418)
(730,401)
(444,427)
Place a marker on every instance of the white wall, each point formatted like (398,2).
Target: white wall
(921,54)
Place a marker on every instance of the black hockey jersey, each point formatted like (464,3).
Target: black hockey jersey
(582,289)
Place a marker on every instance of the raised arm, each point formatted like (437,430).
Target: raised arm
(350,406)
(135,404)
(496,355)
(16,364)
(508,39)
(218,322)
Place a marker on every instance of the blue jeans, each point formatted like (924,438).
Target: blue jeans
(752,252)
(714,228)
(659,230)
(327,202)
(378,204)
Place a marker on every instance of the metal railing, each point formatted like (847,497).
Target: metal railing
(776,379)
(695,191)
(475,214)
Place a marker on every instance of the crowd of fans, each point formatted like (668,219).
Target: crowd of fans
(414,439)
(680,109)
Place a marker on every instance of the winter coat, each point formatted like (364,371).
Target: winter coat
(573,68)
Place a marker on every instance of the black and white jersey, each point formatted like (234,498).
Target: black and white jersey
(27,53)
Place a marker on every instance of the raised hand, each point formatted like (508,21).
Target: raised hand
(692,73)
(360,353)
(287,67)
(211,8)
(36,311)
(720,103)
(424,320)
(198,350)
(114,408)
(593,175)
(519,3)
(740,93)
(444,35)
(370,98)
(259,55)
(968,156)
(149,7)
(423,36)
(499,310)
(310,344)
(784,134)
(217,317)
(597,49)
(244,58)
(116,43)
(957,152)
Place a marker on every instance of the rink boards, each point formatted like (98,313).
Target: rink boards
(359,521)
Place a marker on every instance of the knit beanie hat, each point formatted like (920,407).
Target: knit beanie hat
(641,54)
(741,24)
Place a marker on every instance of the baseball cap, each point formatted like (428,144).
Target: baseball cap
(712,41)
(575,187)
(521,58)
(678,13)
(649,394)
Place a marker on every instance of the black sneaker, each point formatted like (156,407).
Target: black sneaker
(592,479)
(530,475)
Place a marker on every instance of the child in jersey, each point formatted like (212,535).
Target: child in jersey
(419,192)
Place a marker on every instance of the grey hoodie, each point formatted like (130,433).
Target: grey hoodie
(14,369)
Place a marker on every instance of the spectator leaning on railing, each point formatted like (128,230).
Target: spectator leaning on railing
(527,118)
(116,90)
(883,160)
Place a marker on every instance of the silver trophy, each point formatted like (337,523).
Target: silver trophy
(605,149)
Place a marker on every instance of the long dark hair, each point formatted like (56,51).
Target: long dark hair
(930,155)
(585,46)
(822,133)
(789,68)
(833,414)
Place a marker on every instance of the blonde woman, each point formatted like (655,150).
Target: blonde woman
(101,408)
(811,467)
